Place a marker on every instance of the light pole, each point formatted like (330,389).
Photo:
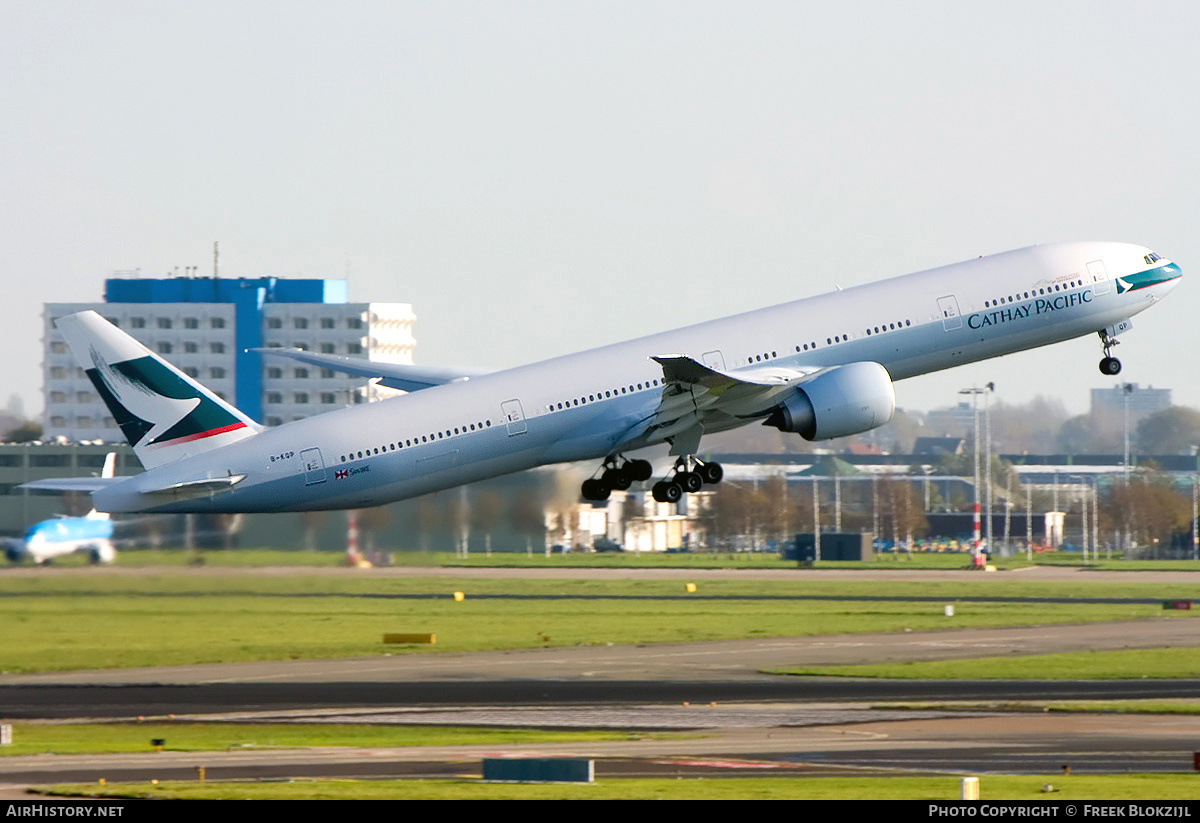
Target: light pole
(816,521)
(1057,538)
(974,391)
(1007,512)
(837,500)
(987,463)
(1196,504)
(1083,533)
(874,507)
(1195,515)
(1028,524)
(1126,390)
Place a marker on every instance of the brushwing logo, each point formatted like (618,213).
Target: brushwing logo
(154,405)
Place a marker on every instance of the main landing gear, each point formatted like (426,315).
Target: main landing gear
(690,475)
(1109,365)
(687,478)
(617,478)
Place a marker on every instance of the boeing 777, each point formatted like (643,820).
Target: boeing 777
(821,367)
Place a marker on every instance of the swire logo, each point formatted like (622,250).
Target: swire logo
(341,474)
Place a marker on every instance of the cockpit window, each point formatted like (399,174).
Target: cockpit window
(1152,257)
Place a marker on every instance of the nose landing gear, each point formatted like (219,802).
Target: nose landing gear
(1109,365)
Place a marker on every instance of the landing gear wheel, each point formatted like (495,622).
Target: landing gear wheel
(1110,366)
(595,490)
(619,479)
(689,481)
(639,470)
(711,473)
(665,492)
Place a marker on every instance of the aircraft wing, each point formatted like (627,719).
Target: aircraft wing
(393,375)
(696,397)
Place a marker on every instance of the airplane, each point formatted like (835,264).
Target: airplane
(821,367)
(61,536)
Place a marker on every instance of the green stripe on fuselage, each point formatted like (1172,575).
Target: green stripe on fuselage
(1147,278)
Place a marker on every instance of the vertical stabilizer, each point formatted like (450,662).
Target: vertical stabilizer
(109,470)
(164,414)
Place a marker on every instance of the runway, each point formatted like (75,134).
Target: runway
(836,740)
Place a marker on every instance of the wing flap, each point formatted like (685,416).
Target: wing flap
(696,397)
(202,486)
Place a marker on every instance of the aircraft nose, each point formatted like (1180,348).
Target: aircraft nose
(1172,274)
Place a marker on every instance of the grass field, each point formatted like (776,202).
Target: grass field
(117,738)
(1150,706)
(175,618)
(1132,664)
(944,787)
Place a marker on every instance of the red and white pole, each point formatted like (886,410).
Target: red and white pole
(352,555)
(975,546)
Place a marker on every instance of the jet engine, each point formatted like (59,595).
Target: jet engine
(15,551)
(842,400)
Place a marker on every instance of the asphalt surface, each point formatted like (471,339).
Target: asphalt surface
(751,722)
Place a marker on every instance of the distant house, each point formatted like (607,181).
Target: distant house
(865,448)
(935,446)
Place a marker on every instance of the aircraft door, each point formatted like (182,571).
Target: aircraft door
(714,360)
(1099,276)
(514,417)
(948,307)
(314,466)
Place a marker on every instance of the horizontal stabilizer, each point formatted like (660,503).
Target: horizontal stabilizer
(72,484)
(400,376)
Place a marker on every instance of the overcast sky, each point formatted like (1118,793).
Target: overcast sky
(539,178)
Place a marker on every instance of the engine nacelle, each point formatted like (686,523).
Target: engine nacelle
(849,399)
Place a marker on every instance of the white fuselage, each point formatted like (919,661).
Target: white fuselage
(600,402)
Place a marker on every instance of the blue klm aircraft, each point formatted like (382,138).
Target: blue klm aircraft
(820,367)
(61,536)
